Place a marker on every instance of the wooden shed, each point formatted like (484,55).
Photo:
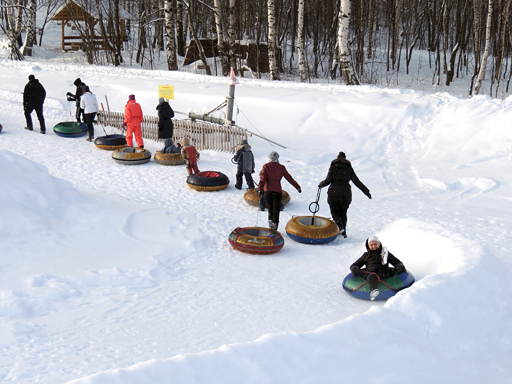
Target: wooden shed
(71,13)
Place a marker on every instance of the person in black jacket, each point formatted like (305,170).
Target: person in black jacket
(377,259)
(80,90)
(33,99)
(165,124)
(339,195)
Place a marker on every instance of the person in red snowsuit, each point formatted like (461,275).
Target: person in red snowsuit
(190,155)
(133,117)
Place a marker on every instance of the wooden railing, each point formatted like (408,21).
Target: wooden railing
(202,135)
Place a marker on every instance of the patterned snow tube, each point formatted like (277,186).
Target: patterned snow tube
(1,127)
(312,229)
(360,288)
(169,158)
(253,197)
(257,240)
(131,156)
(208,181)
(70,129)
(110,142)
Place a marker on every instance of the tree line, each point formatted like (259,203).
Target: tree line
(354,41)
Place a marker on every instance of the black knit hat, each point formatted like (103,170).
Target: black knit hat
(341,155)
(77,82)
(31,77)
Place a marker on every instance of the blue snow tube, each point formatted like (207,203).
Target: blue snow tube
(360,288)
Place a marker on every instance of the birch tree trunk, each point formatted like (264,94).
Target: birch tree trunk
(300,42)
(483,65)
(346,64)
(30,38)
(231,35)
(19,22)
(221,44)
(172,62)
(272,39)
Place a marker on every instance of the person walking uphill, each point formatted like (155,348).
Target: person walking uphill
(339,195)
(377,259)
(80,89)
(33,99)
(245,165)
(133,118)
(165,125)
(190,155)
(270,185)
(89,104)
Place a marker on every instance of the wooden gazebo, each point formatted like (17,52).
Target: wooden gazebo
(71,12)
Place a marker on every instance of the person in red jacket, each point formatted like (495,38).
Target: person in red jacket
(133,117)
(190,155)
(270,186)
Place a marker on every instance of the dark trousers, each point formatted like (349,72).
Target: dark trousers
(89,117)
(374,278)
(339,206)
(79,112)
(40,117)
(273,200)
(248,179)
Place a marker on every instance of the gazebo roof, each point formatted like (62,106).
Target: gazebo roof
(74,11)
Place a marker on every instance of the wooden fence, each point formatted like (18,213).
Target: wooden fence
(202,135)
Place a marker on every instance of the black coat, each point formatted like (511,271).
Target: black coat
(338,177)
(165,125)
(33,94)
(244,158)
(374,263)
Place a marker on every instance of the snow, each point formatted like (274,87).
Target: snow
(123,274)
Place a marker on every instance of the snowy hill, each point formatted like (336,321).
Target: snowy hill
(117,274)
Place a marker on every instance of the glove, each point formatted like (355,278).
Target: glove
(69,94)
(369,195)
(125,124)
(252,171)
(261,192)
(300,190)
(356,271)
(400,268)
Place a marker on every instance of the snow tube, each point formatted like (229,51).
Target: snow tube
(169,158)
(1,127)
(131,156)
(312,229)
(70,129)
(253,197)
(208,181)
(256,240)
(110,142)
(360,289)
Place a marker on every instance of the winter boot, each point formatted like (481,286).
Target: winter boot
(29,128)
(374,294)
(343,233)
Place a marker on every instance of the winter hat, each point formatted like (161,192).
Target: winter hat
(273,156)
(373,238)
(341,155)
(161,100)
(244,142)
(131,97)
(77,82)
(186,141)
(31,77)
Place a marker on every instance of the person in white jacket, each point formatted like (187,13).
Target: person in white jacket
(89,104)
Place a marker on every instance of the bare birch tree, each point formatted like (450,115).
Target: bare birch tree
(231,35)
(170,37)
(221,43)
(272,40)
(30,37)
(346,64)
(301,46)
(483,65)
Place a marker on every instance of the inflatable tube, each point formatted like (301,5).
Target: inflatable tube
(360,289)
(131,156)
(312,229)
(1,127)
(70,129)
(169,158)
(110,142)
(208,181)
(253,197)
(257,240)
